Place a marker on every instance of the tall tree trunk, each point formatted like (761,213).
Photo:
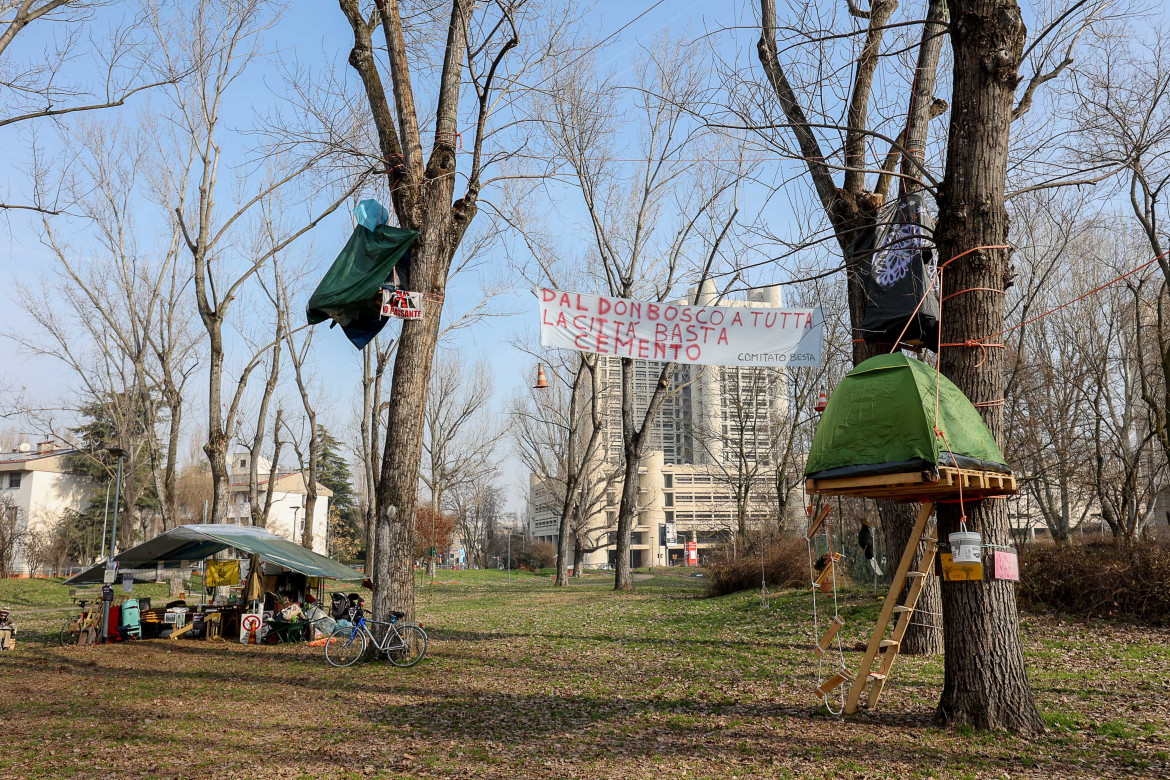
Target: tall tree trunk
(398,481)
(985,683)
(564,537)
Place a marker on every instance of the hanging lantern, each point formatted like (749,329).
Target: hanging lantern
(541,379)
(822,402)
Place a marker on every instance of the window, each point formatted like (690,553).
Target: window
(668,499)
(14,480)
(668,480)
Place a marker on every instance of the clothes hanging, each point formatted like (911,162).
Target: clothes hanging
(897,250)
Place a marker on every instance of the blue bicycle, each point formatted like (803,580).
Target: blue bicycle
(402,644)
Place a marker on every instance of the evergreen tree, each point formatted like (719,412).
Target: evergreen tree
(345,520)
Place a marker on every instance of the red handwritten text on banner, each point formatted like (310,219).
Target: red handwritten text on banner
(671,332)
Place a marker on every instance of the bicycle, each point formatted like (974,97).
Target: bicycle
(404,645)
(84,625)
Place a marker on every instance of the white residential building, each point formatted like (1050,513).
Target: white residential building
(287,516)
(35,485)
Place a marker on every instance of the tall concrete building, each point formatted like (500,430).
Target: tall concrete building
(713,437)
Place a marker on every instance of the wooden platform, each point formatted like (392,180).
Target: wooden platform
(918,485)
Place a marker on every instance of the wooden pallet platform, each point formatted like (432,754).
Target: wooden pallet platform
(918,485)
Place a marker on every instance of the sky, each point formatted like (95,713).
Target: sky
(314,33)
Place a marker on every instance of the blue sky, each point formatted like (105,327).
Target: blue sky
(314,32)
(320,37)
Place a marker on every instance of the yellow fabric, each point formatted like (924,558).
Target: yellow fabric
(222,573)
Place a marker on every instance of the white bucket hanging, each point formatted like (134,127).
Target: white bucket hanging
(965,546)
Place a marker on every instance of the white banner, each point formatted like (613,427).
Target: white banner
(670,332)
(402,304)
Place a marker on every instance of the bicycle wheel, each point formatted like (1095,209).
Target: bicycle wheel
(412,649)
(70,633)
(345,647)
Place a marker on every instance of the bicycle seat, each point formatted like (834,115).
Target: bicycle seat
(397,615)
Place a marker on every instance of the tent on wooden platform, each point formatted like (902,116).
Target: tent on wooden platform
(877,437)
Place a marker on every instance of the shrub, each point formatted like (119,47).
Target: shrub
(1098,580)
(786,566)
(532,555)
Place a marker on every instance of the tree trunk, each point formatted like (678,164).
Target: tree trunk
(627,511)
(216,449)
(985,683)
(578,559)
(564,542)
(438,238)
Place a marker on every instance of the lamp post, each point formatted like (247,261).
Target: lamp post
(120,454)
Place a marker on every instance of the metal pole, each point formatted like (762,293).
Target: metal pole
(106,515)
(205,511)
(117,501)
(509,557)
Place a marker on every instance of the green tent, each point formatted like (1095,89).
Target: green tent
(881,419)
(349,293)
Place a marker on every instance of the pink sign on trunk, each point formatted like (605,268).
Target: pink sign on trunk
(1007,566)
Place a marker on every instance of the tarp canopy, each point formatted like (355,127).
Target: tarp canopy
(881,419)
(196,542)
(349,294)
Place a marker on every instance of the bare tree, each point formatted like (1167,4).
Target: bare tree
(985,682)
(647,220)
(558,432)
(484,58)
(216,45)
(110,316)
(1123,110)
(478,505)
(84,69)
(13,535)
(460,438)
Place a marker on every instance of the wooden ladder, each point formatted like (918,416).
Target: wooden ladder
(889,648)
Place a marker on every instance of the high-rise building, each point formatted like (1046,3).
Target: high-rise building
(713,438)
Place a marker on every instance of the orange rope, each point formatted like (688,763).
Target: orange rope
(938,278)
(973,289)
(1096,289)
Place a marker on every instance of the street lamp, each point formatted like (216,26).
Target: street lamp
(120,454)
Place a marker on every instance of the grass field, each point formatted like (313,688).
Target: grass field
(530,681)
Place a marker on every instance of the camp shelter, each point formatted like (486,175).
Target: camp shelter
(290,572)
(195,542)
(877,437)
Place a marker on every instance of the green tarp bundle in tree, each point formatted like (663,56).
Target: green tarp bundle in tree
(881,419)
(350,292)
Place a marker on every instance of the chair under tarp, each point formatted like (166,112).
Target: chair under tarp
(877,438)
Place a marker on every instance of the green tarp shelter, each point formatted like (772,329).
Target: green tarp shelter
(196,542)
(349,293)
(881,419)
